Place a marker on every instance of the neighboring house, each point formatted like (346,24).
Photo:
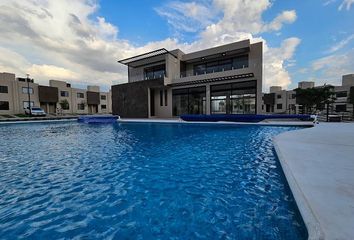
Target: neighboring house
(14,97)
(224,79)
(14,94)
(284,101)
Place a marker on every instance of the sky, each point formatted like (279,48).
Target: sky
(80,41)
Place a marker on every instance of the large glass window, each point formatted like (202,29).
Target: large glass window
(189,101)
(154,72)
(221,65)
(80,95)
(236,98)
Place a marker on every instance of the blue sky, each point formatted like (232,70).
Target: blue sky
(80,41)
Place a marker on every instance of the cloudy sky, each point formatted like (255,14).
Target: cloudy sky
(80,41)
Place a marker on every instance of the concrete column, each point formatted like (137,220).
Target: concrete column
(208,111)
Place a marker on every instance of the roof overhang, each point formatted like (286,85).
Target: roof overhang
(134,61)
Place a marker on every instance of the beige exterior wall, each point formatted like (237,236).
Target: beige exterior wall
(16,96)
(9,80)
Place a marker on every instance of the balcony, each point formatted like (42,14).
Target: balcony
(191,76)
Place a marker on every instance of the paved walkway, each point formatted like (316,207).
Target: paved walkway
(319,165)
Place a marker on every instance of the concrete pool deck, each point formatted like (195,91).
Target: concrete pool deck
(319,166)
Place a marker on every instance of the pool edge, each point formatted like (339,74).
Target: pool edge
(314,229)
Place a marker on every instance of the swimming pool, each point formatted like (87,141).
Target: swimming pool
(144,181)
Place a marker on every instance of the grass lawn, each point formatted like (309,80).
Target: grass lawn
(22,115)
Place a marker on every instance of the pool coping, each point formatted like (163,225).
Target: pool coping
(317,163)
(263,123)
(312,224)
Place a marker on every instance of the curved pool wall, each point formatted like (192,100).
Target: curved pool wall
(144,181)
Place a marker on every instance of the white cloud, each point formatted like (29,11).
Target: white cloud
(341,44)
(330,68)
(186,16)
(284,17)
(63,39)
(275,60)
(346,4)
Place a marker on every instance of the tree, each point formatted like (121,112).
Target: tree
(64,104)
(315,98)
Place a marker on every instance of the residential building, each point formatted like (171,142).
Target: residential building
(14,93)
(284,101)
(220,80)
(14,97)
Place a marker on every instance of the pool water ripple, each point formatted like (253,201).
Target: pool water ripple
(143,181)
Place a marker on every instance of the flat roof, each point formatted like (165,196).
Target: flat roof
(158,52)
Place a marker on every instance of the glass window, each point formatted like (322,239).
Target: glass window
(80,95)
(4,89)
(189,101)
(155,72)
(25,104)
(103,97)
(341,94)
(279,106)
(212,67)
(161,98)
(103,107)
(278,96)
(81,106)
(236,98)
(27,90)
(4,105)
(199,69)
(166,96)
(64,93)
(240,62)
(341,108)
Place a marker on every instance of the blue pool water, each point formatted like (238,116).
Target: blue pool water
(143,181)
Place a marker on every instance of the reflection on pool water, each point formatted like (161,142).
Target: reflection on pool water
(144,181)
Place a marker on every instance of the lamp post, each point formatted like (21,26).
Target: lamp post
(29,95)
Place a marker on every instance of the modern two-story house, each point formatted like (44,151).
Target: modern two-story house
(220,80)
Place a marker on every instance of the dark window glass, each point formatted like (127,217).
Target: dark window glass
(161,98)
(278,96)
(64,93)
(237,98)
(103,97)
(279,106)
(212,67)
(166,96)
(80,95)
(155,72)
(103,106)
(4,89)
(4,105)
(221,65)
(189,101)
(200,69)
(341,94)
(81,106)
(341,108)
(225,65)
(240,62)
